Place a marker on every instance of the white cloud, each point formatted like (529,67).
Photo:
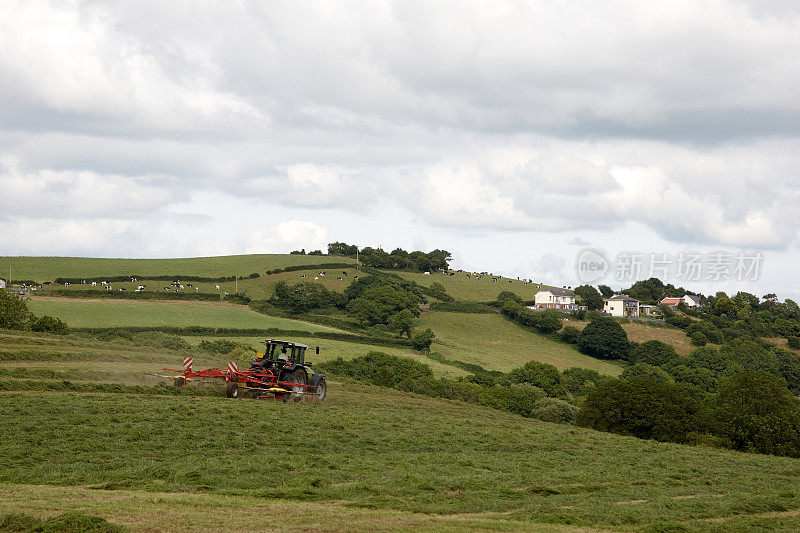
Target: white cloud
(284,237)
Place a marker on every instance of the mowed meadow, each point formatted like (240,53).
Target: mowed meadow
(366,458)
(97,428)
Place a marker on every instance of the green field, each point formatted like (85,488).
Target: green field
(48,268)
(498,344)
(367,458)
(110,313)
(472,288)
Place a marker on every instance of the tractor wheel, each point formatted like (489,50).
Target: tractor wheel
(298,376)
(232,390)
(322,389)
(180,381)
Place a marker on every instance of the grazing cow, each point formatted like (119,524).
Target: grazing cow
(217,286)
(180,287)
(188,284)
(344,273)
(316,278)
(339,278)
(94,284)
(355,278)
(426,273)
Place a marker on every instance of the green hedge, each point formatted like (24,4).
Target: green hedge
(321,266)
(461,307)
(120,279)
(132,295)
(205,331)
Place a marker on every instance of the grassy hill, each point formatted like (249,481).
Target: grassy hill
(105,313)
(367,458)
(472,288)
(498,344)
(48,268)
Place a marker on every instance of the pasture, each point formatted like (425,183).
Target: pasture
(48,268)
(496,343)
(472,288)
(112,313)
(367,458)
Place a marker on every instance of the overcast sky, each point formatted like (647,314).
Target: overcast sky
(514,134)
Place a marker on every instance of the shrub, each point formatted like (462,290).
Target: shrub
(422,341)
(569,334)
(604,338)
(49,324)
(461,307)
(546,377)
(654,353)
(756,412)
(579,381)
(515,399)
(438,291)
(643,370)
(642,408)
(554,410)
(240,298)
(679,321)
(14,312)
(378,368)
(698,339)
(507,296)
(794,343)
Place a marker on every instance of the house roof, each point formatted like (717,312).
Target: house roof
(623,297)
(558,292)
(692,297)
(672,300)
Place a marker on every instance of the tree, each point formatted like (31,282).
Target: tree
(14,312)
(402,322)
(640,407)
(423,340)
(604,338)
(554,410)
(725,306)
(340,248)
(606,291)
(756,412)
(505,296)
(439,291)
(654,353)
(546,377)
(643,370)
(591,297)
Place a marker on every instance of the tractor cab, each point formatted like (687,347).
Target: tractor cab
(285,351)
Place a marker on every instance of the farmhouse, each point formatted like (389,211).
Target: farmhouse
(622,305)
(2,284)
(690,300)
(554,298)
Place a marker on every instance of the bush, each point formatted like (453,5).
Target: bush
(507,296)
(461,307)
(794,343)
(49,324)
(579,381)
(515,399)
(654,353)
(569,334)
(546,377)
(698,339)
(240,298)
(554,410)
(642,408)
(679,321)
(422,341)
(756,412)
(643,370)
(14,312)
(604,338)
(378,368)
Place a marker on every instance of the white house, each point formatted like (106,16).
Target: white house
(622,305)
(673,301)
(2,284)
(691,300)
(554,298)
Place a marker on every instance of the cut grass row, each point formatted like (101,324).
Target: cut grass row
(382,450)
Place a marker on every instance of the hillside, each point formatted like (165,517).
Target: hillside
(368,458)
(48,268)
(124,313)
(496,343)
(465,286)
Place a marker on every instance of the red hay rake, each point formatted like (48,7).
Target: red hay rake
(262,383)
